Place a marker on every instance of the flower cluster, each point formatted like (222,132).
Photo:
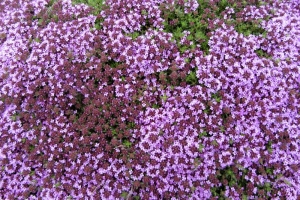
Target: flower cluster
(149,99)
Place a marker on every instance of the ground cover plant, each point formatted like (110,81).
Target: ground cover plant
(149,99)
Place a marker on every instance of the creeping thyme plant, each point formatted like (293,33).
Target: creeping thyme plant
(149,99)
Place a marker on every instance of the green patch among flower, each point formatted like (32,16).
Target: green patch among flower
(249,28)
(177,21)
(269,147)
(124,194)
(95,4)
(164,97)
(228,176)
(156,106)
(216,96)
(127,143)
(134,35)
(31,147)
(191,78)
(14,117)
(203,134)
(32,173)
(200,148)
(57,184)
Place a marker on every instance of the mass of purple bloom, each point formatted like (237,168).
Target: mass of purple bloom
(89,110)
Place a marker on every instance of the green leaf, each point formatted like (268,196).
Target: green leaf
(248,28)
(97,26)
(14,116)
(144,12)
(184,24)
(207,110)
(213,191)
(179,13)
(268,187)
(262,3)
(114,132)
(186,60)
(193,188)
(222,129)
(201,147)
(217,97)
(262,53)
(164,97)
(277,61)
(57,184)
(134,35)
(203,134)
(200,35)
(131,125)
(269,171)
(214,142)
(38,40)
(190,37)
(32,173)
(127,143)
(191,78)
(124,194)
(31,147)
(156,106)
(269,147)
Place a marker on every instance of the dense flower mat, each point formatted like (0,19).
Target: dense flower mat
(149,99)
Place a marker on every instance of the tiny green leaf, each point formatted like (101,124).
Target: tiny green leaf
(214,142)
(124,194)
(57,184)
(127,143)
(164,97)
(200,148)
(203,134)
